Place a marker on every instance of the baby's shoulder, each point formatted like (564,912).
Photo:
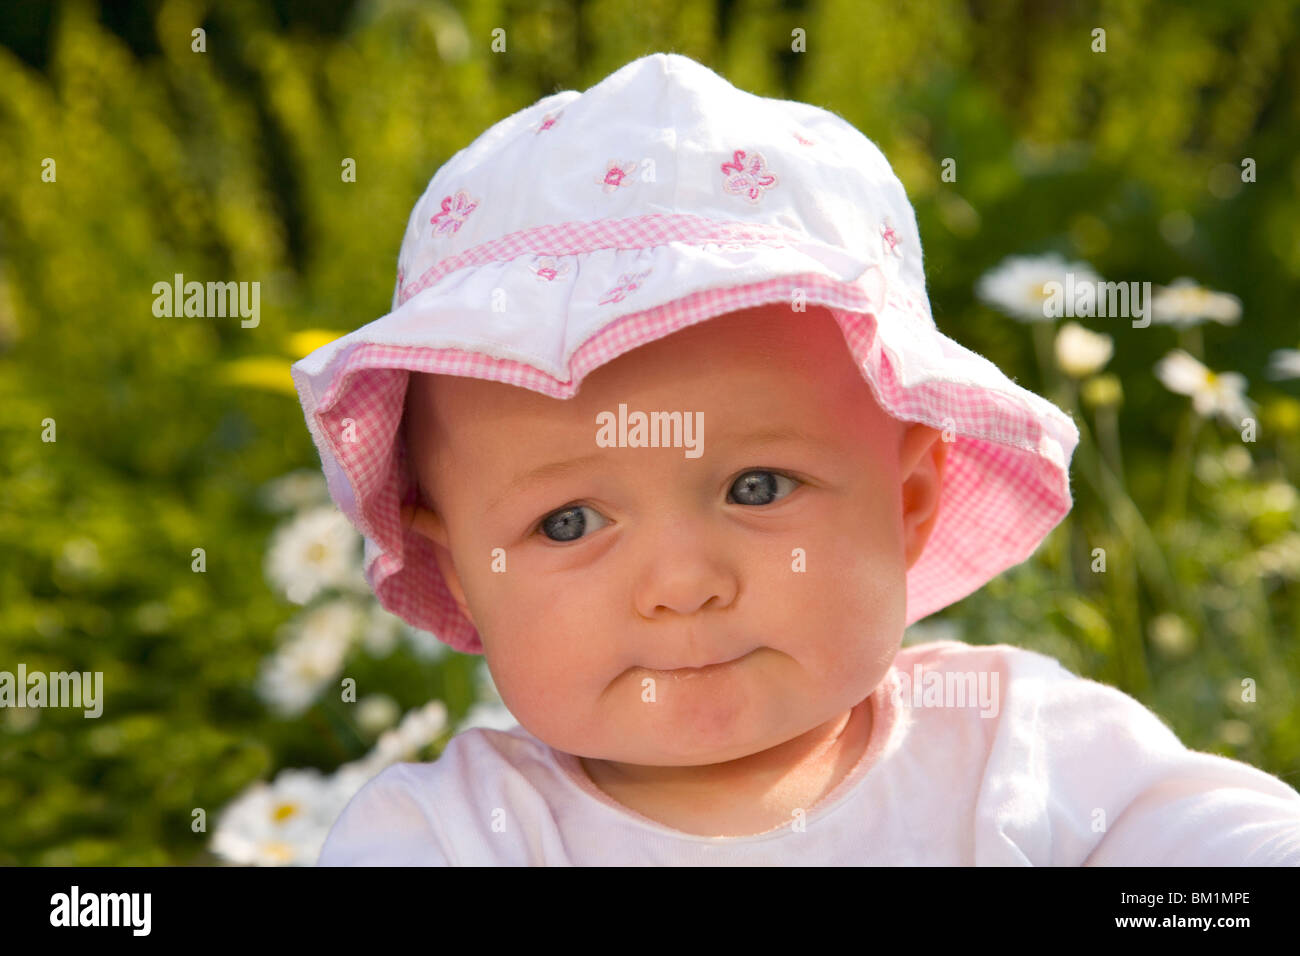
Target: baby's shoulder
(459,769)
(1036,693)
(404,814)
(949,648)
(1005,659)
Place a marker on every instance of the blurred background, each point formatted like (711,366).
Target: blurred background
(162,515)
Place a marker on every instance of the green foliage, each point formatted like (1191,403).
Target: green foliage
(227,164)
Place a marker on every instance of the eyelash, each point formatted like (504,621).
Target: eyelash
(537,529)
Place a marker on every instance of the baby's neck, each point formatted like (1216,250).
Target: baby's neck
(748,795)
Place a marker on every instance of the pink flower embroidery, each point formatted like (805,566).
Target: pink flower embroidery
(548,268)
(547,122)
(747,175)
(615,174)
(805,142)
(628,282)
(890,239)
(455,209)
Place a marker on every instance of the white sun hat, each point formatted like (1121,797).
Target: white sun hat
(592,223)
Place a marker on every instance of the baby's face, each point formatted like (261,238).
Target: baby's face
(783,547)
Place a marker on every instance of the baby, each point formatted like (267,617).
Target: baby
(649,619)
(661,424)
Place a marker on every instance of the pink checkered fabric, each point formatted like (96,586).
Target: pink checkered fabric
(573,238)
(808,211)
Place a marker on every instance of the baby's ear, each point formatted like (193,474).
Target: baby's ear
(425,523)
(922,459)
(429,525)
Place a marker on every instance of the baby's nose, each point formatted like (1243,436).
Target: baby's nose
(684,577)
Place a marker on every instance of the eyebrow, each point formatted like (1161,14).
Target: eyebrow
(772,436)
(558,469)
(554,469)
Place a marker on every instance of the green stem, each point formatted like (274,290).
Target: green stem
(1123,568)
(1044,343)
(1180,466)
(1044,336)
(1108,438)
(1135,667)
(1070,569)
(1130,523)
(1182,459)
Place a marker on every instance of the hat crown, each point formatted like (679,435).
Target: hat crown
(665,135)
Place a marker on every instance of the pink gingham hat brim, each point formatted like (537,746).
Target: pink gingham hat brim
(726,233)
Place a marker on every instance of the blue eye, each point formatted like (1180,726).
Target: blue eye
(758,487)
(568,524)
(753,488)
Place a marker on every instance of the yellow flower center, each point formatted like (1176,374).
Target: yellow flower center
(316,553)
(284,811)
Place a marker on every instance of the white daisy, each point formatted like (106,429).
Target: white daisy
(294,675)
(1284,363)
(1185,303)
(318,549)
(1221,393)
(1016,285)
(1080,352)
(420,727)
(283,823)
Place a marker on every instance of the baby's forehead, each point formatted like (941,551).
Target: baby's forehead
(743,400)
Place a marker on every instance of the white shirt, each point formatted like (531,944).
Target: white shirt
(1050,770)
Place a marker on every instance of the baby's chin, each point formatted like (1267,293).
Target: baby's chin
(691,738)
(682,755)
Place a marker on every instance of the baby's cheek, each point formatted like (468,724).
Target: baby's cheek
(852,597)
(555,700)
(540,647)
